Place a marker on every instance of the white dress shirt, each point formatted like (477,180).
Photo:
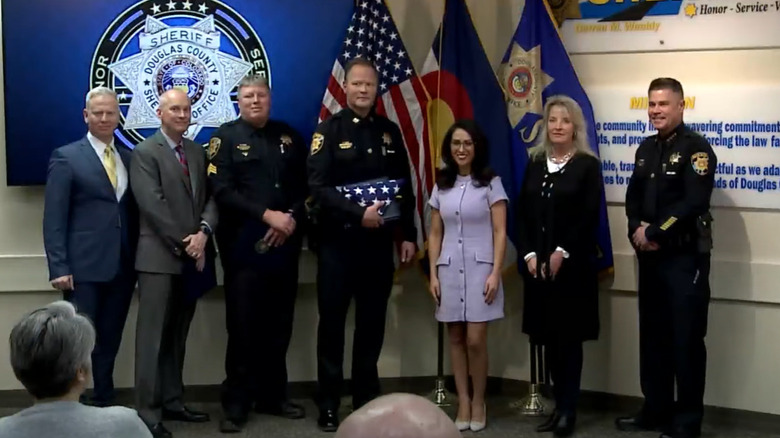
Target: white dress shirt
(121,171)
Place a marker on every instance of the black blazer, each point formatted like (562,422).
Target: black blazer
(561,209)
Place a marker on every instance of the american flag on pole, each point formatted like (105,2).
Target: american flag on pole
(401,97)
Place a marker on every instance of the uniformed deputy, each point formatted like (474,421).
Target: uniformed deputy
(355,258)
(669,225)
(258,172)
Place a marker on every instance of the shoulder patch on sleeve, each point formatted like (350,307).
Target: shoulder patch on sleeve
(214,145)
(212,169)
(700,163)
(316,142)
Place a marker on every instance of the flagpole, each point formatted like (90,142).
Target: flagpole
(440,396)
(534,404)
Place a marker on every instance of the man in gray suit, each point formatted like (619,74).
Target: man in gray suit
(177,214)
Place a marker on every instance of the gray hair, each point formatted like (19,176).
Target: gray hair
(255,80)
(543,146)
(99,91)
(48,348)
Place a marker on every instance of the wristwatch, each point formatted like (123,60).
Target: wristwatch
(206,230)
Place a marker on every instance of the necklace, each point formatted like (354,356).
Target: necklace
(561,160)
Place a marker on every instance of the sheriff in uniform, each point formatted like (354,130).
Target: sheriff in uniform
(355,258)
(258,173)
(668,209)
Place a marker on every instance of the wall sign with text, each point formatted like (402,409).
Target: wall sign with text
(742,123)
(602,26)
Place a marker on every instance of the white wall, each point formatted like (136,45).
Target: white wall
(743,352)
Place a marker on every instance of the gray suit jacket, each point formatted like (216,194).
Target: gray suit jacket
(171,206)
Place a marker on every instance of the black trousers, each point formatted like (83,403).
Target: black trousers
(674,295)
(564,360)
(260,307)
(359,267)
(106,304)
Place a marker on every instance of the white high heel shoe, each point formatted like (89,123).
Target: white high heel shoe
(476,426)
(462,425)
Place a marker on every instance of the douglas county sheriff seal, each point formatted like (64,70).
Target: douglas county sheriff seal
(155,46)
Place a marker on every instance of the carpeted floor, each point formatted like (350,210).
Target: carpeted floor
(502,422)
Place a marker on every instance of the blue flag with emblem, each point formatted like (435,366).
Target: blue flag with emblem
(535,67)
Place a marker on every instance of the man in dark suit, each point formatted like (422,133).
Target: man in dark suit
(90,230)
(177,214)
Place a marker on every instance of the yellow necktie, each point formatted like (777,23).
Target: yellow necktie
(110,164)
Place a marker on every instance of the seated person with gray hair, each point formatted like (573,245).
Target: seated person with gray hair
(398,416)
(51,355)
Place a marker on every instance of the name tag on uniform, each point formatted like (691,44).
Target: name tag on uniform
(345,145)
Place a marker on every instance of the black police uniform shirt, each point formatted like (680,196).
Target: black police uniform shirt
(253,169)
(671,185)
(349,149)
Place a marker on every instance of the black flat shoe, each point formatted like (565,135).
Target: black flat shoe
(550,424)
(328,421)
(565,426)
(186,415)
(639,423)
(284,409)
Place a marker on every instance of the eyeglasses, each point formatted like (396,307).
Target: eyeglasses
(465,144)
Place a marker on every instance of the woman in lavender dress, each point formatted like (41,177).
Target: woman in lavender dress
(466,249)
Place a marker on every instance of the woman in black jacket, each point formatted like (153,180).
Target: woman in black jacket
(559,216)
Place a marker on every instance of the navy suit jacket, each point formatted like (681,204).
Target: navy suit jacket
(87,233)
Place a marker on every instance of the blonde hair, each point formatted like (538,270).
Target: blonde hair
(543,147)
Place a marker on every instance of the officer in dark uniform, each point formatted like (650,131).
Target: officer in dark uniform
(669,225)
(258,173)
(355,258)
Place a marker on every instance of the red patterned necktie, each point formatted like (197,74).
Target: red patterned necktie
(182,159)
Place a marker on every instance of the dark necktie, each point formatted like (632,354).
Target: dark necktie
(182,159)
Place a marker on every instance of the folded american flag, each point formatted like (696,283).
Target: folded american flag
(366,193)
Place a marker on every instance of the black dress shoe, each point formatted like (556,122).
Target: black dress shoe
(550,424)
(185,415)
(231,425)
(639,423)
(159,431)
(565,426)
(284,409)
(680,433)
(328,421)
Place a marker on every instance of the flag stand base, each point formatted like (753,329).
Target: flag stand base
(440,396)
(532,405)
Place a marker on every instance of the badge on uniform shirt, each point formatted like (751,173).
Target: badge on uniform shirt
(316,142)
(345,145)
(675,158)
(386,138)
(700,162)
(243,147)
(286,140)
(214,145)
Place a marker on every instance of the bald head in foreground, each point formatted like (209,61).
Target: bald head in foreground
(398,416)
